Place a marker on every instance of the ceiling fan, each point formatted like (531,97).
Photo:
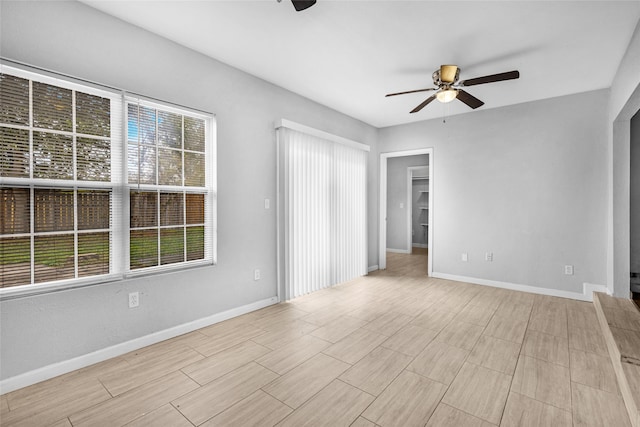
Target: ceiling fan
(301,4)
(449,86)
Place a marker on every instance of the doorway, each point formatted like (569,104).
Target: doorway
(384,212)
(634,208)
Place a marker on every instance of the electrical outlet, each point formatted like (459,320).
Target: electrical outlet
(465,257)
(256,274)
(568,270)
(401,205)
(134,299)
(488,256)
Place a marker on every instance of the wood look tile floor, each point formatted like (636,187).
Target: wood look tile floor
(395,348)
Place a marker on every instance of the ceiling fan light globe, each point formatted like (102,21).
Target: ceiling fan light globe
(448,95)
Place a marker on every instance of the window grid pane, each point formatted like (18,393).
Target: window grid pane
(93,115)
(54,258)
(93,159)
(194,208)
(15,211)
(195,243)
(94,207)
(14,144)
(54,210)
(194,169)
(52,107)
(169,166)
(143,208)
(52,156)
(63,144)
(171,208)
(179,161)
(194,134)
(55,130)
(93,254)
(169,130)
(14,93)
(171,245)
(15,261)
(143,248)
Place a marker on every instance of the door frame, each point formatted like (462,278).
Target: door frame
(382,248)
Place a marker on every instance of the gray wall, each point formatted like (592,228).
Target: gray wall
(624,102)
(80,41)
(396,194)
(525,182)
(635,194)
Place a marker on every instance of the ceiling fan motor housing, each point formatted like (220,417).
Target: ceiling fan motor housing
(446,75)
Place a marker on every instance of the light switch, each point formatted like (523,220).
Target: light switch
(401,205)
(266,203)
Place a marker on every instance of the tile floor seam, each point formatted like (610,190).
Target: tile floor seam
(270,370)
(566,317)
(517,362)
(465,360)
(616,396)
(548,361)
(98,403)
(467,413)
(181,414)
(595,388)
(279,400)
(551,404)
(394,378)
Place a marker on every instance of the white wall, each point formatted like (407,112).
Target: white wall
(526,182)
(624,102)
(42,330)
(396,194)
(634,202)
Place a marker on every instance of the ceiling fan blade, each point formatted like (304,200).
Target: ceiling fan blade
(424,104)
(469,99)
(302,4)
(509,75)
(411,91)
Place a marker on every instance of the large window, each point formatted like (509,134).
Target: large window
(167,181)
(91,192)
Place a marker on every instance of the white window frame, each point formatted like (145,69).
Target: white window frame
(210,185)
(119,243)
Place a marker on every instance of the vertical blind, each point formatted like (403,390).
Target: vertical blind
(323,212)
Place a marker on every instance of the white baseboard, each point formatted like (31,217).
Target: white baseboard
(420,245)
(372,268)
(41,374)
(589,288)
(586,295)
(398,251)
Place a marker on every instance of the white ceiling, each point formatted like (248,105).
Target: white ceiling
(348,54)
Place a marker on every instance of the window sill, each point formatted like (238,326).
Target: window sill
(22,291)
